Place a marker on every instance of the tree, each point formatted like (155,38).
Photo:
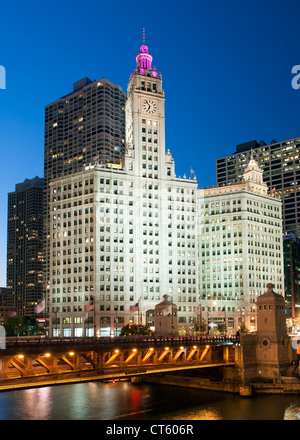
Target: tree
(22,325)
(221,327)
(135,330)
(199,328)
(244,329)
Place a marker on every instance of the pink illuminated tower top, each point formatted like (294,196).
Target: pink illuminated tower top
(144,59)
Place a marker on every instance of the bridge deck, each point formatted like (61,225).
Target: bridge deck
(31,360)
(87,376)
(34,345)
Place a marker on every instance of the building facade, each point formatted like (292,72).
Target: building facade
(25,246)
(241,250)
(85,126)
(124,235)
(291,248)
(280,162)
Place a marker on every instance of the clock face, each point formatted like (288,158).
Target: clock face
(149,106)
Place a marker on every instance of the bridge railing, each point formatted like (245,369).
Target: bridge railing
(120,341)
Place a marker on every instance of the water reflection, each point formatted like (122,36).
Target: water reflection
(292,413)
(194,414)
(37,404)
(124,401)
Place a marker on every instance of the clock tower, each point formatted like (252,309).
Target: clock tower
(145,121)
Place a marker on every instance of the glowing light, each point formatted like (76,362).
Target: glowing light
(47,355)
(71,353)
(144,60)
(21,356)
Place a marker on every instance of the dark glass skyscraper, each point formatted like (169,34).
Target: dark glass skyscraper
(291,248)
(25,246)
(85,126)
(280,162)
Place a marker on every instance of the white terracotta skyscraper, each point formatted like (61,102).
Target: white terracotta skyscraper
(124,234)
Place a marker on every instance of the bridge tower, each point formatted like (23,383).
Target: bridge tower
(166,318)
(266,354)
(272,341)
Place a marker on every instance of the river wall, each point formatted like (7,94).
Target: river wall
(287,386)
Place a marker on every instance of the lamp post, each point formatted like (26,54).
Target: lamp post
(214,325)
(207,320)
(200,319)
(116,322)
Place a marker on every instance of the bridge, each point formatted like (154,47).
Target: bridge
(28,361)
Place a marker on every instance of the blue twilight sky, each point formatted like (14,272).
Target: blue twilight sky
(226,69)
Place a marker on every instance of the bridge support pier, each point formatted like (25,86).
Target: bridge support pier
(137,379)
(245,390)
(28,370)
(2,374)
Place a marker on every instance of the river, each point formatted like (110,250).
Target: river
(126,401)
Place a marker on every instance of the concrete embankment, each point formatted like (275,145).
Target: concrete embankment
(192,382)
(226,386)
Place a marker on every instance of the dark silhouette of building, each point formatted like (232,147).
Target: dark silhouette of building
(83,127)
(280,162)
(25,246)
(291,248)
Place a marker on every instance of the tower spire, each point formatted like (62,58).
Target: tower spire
(144,59)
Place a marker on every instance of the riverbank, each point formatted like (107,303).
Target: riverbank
(287,386)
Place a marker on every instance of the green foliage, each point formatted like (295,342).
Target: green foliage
(135,330)
(244,329)
(22,325)
(221,328)
(199,328)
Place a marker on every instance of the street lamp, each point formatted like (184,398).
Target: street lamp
(200,318)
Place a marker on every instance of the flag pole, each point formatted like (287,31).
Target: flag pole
(45,320)
(116,322)
(94,316)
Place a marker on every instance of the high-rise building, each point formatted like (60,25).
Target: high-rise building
(280,162)
(25,246)
(6,311)
(3,296)
(241,249)
(291,246)
(85,126)
(123,236)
